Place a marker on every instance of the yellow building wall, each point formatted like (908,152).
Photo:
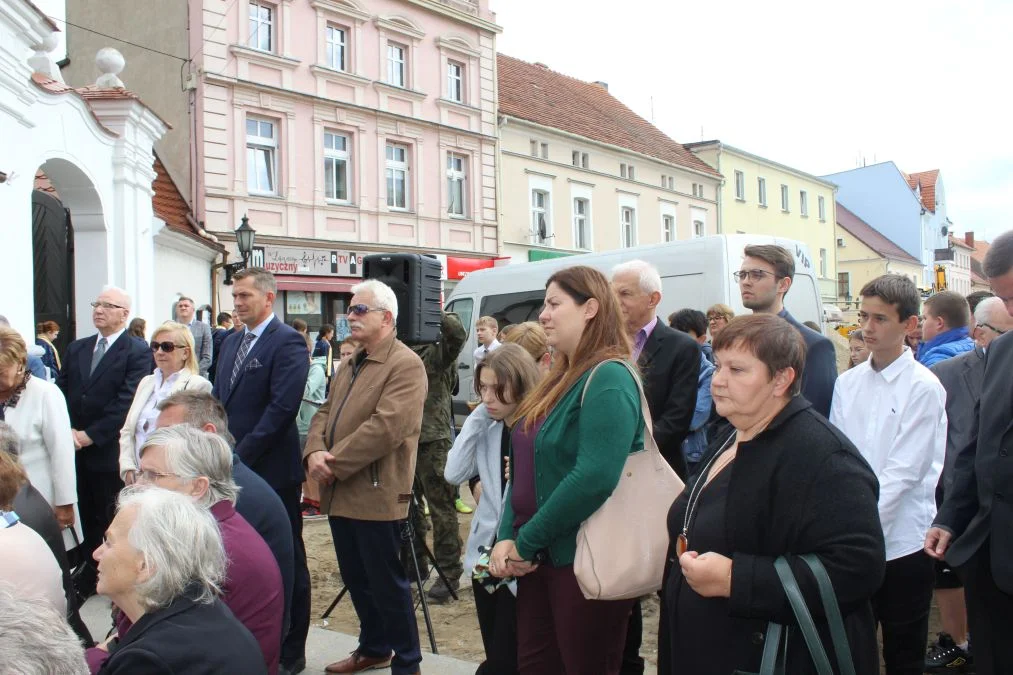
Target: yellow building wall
(863,264)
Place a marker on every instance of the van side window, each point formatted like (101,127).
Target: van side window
(511,308)
(463,308)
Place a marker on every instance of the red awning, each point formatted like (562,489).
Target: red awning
(319,284)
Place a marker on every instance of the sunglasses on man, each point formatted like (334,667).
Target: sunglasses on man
(362,310)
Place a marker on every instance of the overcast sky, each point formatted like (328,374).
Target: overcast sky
(924,84)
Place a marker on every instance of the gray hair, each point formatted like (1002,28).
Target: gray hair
(117,289)
(200,408)
(191,453)
(35,639)
(9,441)
(999,257)
(180,543)
(263,280)
(650,280)
(983,313)
(383,295)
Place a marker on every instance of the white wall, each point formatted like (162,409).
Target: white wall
(183,267)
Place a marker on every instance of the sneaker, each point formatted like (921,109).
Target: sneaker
(946,656)
(462,507)
(310,510)
(440,594)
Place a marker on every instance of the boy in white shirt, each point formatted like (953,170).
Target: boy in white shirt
(893,409)
(486,329)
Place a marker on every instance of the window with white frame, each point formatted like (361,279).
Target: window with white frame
(337,48)
(580,159)
(575,158)
(622,171)
(628,227)
(664,180)
(784,197)
(261,28)
(699,228)
(540,225)
(821,205)
(671,183)
(261,157)
(698,190)
(534,147)
(761,191)
(336,166)
(396,65)
(631,172)
(456,193)
(581,223)
(740,185)
(667,228)
(455,81)
(397,176)
(545,150)
(823,263)
(803,203)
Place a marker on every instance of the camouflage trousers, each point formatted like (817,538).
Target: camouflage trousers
(440,496)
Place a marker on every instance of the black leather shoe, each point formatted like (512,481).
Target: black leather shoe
(293,668)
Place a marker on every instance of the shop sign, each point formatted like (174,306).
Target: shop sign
(458,268)
(307,261)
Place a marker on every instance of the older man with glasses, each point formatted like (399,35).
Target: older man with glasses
(99,378)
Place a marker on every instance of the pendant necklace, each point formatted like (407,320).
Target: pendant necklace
(682,543)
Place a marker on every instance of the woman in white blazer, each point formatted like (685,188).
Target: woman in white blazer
(37,413)
(176,369)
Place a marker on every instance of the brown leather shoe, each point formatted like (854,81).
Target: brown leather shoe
(356,663)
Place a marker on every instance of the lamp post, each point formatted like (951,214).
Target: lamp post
(245,236)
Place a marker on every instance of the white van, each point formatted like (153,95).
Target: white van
(696,274)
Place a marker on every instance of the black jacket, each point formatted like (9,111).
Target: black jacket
(98,402)
(799,487)
(670,363)
(820,373)
(980,500)
(189,638)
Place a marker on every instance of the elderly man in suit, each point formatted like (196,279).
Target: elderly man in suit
(670,362)
(99,377)
(202,344)
(764,279)
(261,374)
(972,529)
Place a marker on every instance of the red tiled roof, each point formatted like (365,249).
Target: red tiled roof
(926,181)
(92,93)
(169,205)
(869,236)
(978,272)
(980,249)
(534,93)
(958,241)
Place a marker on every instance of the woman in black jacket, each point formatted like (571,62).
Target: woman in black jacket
(778,480)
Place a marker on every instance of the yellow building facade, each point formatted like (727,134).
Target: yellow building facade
(760,196)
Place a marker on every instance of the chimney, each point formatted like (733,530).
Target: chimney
(969,239)
(603,85)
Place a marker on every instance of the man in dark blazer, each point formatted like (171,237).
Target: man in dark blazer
(764,278)
(670,363)
(99,377)
(261,375)
(973,526)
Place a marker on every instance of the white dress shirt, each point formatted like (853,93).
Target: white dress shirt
(109,340)
(896,418)
(257,331)
(163,388)
(483,350)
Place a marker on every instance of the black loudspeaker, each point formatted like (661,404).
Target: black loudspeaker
(415,280)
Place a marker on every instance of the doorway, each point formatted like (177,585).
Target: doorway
(53,266)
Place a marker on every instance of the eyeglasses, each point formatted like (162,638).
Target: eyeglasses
(149,476)
(364,309)
(106,305)
(752,275)
(712,319)
(167,347)
(991,328)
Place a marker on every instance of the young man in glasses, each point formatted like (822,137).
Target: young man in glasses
(99,379)
(764,278)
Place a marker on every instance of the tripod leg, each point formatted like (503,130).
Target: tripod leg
(439,570)
(422,595)
(344,589)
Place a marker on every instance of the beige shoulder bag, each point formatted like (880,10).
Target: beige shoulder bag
(621,548)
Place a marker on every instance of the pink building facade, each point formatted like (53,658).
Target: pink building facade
(340,126)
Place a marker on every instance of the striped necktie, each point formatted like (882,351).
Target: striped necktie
(244,349)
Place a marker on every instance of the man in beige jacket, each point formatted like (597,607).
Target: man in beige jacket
(361,448)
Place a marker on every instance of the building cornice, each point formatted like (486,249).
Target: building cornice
(457,45)
(265,58)
(339,75)
(399,26)
(341,9)
(357,246)
(459,15)
(401,91)
(454,105)
(720,146)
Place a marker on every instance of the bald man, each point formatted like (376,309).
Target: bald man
(99,377)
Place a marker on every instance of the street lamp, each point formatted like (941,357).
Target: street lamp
(245,236)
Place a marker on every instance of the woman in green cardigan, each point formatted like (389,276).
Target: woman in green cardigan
(567,459)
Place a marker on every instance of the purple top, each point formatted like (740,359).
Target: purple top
(641,339)
(522,473)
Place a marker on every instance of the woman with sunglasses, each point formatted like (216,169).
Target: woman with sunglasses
(176,369)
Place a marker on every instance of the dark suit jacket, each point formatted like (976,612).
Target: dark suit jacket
(820,372)
(961,377)
(98,402)
(980,501)
(670,363)
(186,637)
(263,404)
(218,336)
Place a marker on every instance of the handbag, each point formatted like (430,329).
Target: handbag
(634,514)
(775,646)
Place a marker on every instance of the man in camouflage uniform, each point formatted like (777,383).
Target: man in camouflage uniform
(440,360)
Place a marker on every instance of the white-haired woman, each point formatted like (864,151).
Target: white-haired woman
(198,464)
(176,370)
(169,592)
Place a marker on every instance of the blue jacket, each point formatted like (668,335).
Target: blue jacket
(944,346)
(695,444)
